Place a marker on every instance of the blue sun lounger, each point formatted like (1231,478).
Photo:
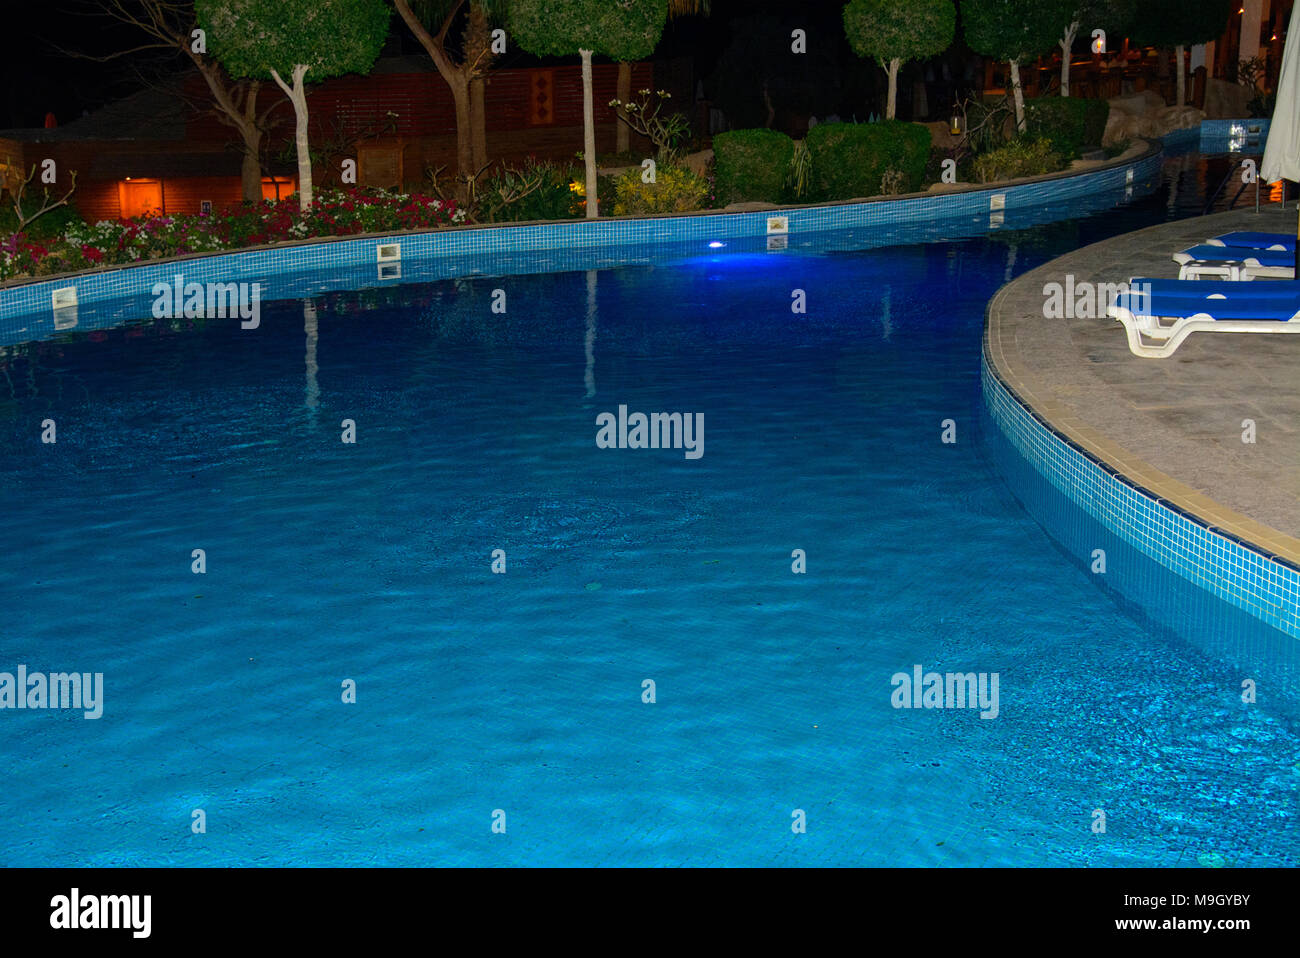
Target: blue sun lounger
(1234,263)
(1158,314)
(1273,241)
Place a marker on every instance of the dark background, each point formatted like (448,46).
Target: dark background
(741,46)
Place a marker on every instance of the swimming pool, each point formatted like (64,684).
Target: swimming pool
(522,692)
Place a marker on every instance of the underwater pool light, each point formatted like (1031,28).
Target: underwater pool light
(717,244)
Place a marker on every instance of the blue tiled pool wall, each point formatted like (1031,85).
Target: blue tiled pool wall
(1266,587)
(1217,129)
(369,284)
(26,310)
(1224,136)
(1169,606)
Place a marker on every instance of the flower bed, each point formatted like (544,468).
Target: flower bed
(116,242)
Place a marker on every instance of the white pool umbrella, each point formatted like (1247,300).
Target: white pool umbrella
(1282,152)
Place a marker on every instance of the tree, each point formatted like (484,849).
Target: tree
(465,75)
(1083,11)
(1112,16)
(14,183)
(1014,30)
(892,34)
(169,26)
(758,78)
(1179,24)
(623,92)
(620,29)
(289,38)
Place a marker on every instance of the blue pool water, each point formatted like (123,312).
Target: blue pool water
(522,692)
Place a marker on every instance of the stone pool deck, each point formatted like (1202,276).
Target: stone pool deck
(1172,425)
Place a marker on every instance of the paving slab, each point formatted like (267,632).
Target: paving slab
(1176,424)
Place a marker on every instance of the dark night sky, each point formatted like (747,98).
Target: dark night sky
(39,78)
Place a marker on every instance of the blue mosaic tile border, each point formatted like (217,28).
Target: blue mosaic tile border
(1266,586)
(1220,129)
(26,309)
(1233,136)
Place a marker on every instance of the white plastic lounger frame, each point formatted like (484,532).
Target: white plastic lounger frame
(1169,337)
(1236,270)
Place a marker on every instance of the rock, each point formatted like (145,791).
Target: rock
(1137,104)
(698,163)
(1121,126)
(1226,101)
(1146,114)
(1178,118)
(941,137)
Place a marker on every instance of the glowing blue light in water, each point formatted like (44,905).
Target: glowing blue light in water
(717,244)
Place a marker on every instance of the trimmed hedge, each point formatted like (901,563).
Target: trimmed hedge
(851,159)
(1069,122)
(751,165)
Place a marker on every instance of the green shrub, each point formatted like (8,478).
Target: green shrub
(1069,122)
(751,165)
(989,124)
(535,191)
(675,190)
(1024,156)
(799,180)
(893,182)
(851,159)
(47,226)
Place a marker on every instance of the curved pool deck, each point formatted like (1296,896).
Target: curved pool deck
(1172,428)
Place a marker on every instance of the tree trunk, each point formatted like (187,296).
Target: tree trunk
(1180,75)
(1018,95)
(298,96)
(250,173)
(251,133)
(589,136)
(892,97)
(623,141)
(465,168)
(1067,44)
(302,146)
(478,123)
(476,57)
(456,76)
(242,117)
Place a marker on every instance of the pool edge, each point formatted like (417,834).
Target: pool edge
(1242,561)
